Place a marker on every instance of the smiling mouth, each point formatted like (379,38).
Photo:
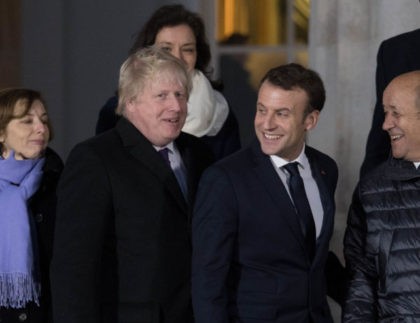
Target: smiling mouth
(271,137)
(395,137)
(173,120)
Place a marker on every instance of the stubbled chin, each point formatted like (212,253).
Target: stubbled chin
(269,149)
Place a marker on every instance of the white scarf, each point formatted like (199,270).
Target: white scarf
(207,108)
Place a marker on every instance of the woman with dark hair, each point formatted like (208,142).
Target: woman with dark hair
(29,172)
(182,33)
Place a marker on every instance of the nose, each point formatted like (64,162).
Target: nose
(268,122)
(177,53)
(388,122)
(175,103)
(40,127)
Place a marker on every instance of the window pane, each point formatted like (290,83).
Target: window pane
(301,9)
(302,57)
(264,22)
(259,63)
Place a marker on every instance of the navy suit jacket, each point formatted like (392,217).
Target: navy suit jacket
(250,263)
(122,250)
(397,55)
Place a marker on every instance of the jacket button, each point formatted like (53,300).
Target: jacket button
(39,217)
(22,317)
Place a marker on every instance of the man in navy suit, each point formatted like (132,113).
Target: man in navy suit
(396,55)
(122,248)
(259,249)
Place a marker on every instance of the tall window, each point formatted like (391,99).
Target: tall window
(248,37)
(264,33)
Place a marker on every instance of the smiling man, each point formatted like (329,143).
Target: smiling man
(122,248)
(264,216)
(382,239)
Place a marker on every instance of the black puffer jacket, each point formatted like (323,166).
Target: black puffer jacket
(42,207)
(382,246)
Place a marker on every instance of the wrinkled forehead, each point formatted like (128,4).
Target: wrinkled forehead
(401,96)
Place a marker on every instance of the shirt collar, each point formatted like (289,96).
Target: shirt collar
(302,160)
(170,147)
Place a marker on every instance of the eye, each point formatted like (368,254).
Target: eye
(261,110)
(189,49)
(282,113)
(180,95)
(26,120)
(395,114)
(161,95)
(166,49)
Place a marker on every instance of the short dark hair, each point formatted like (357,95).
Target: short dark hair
(175,15)
(293,75)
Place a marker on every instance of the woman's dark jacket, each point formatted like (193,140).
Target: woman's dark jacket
(223,144)
(382,246)
(42,209)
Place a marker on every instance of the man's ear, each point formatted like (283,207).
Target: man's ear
(129,104)
(311,120)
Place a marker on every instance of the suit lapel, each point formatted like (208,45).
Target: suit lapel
(143,151)
(269,179)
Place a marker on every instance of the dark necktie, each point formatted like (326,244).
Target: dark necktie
(303,209)
(164,152)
